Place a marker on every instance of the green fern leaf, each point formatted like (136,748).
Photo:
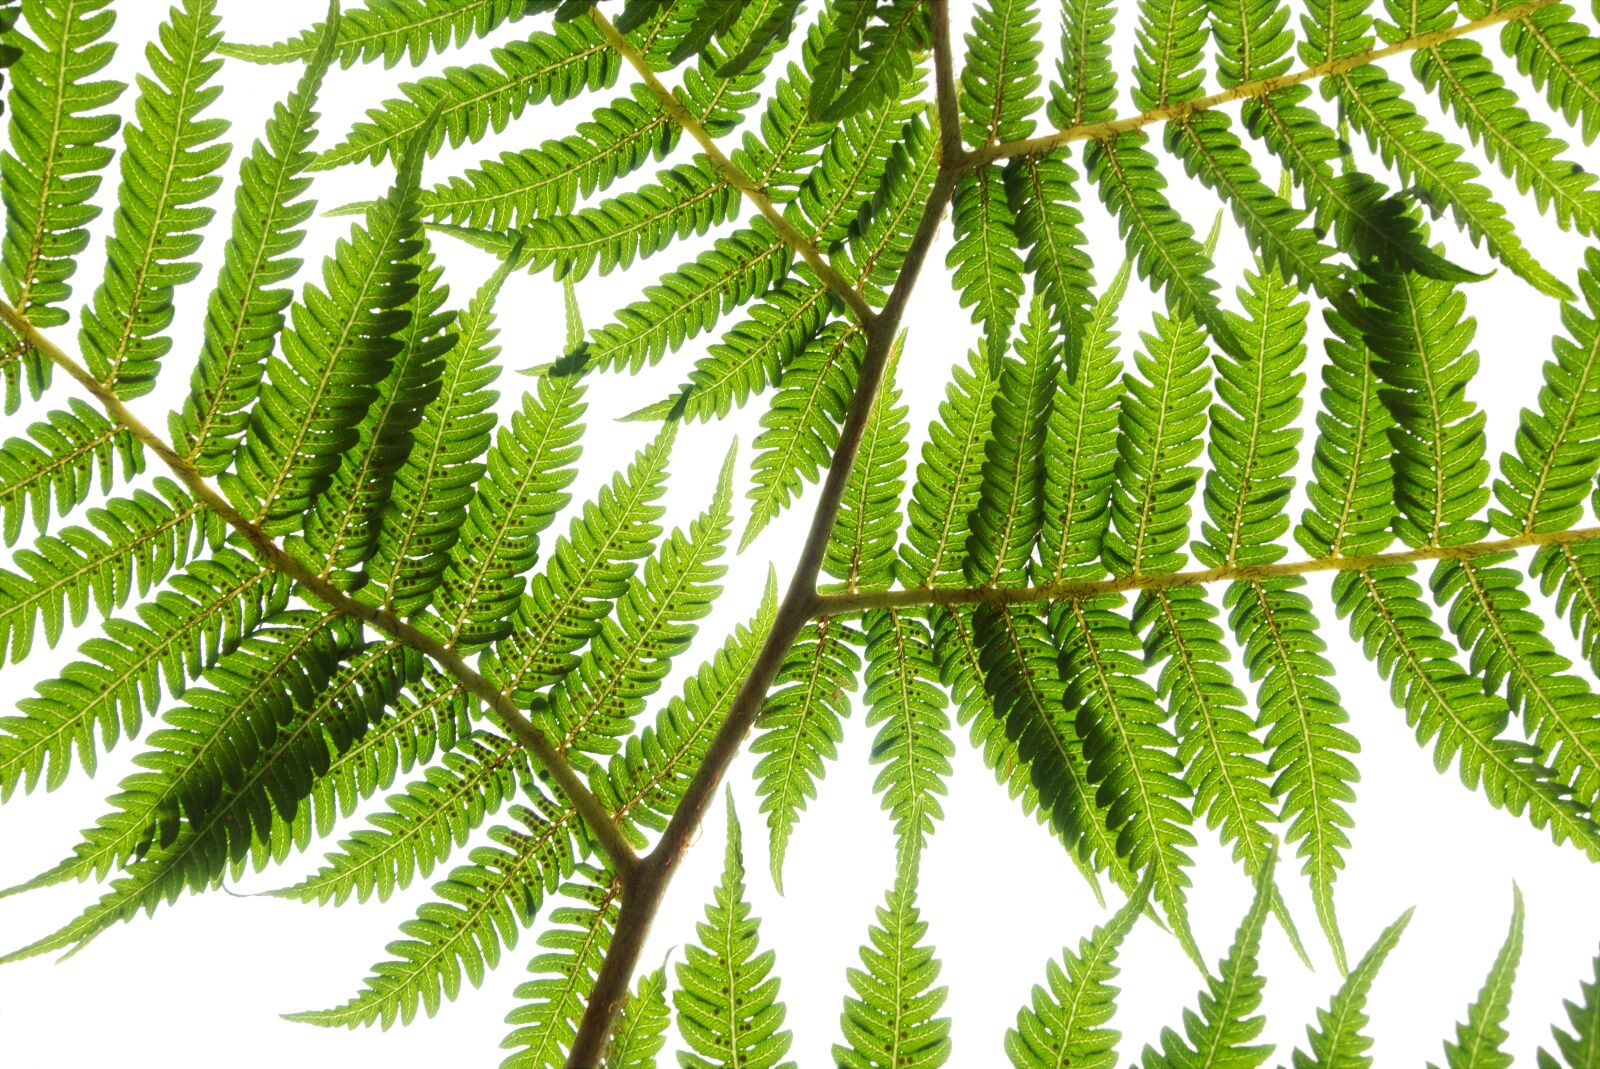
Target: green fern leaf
(341,345)
(890,1022)
(390,30)
(906,704)
(861,552)
(589,569)
(727,997)
(1582,1044)
(547,1021)
(531,465)
(433,488)
(52,471)
(642,1025)
(1560,56)
(244,315)
(483,906)
(1159,241)
(1489,111)
(135,543)
(469,101)
(645,782)
(1480,1037)
(168,171)
(1336,1041)
(51,172)
(343,527)
(983,262)
(420,827)
(654,621)
(1222,1030)
(1042,191)
(1009,515)
(800,726)
(1086,89)
(1065,1025)
(1001,72)
(207,610)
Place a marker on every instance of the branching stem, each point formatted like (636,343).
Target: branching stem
(860,601)
(1098,131)
(566,779)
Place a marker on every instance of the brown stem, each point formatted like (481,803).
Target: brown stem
(732,174)
(1247,90)
(649,884)
(590,808)
(839,604)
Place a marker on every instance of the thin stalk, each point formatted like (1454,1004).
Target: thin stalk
(1098,131)
(860,601)
(566,779)
(642,896)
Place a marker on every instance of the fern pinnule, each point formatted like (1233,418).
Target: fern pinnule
(389,30)
(55,468)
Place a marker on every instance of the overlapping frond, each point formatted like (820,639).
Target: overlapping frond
(641,1029)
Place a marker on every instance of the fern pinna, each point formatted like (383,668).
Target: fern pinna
(362,568)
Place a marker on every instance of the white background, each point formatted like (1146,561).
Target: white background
(202,985)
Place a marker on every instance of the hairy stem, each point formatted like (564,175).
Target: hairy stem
(732,174)
(642,897)
(1260,87)
(566,779)
(859,601)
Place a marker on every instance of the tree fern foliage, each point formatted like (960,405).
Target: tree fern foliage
(366,594)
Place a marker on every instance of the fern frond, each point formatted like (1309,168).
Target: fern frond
(984,263)
(1159,241)
(589,569)
(1221,1031)
(1489,111)
(469,102)
(800,725)
(1128,750)
(654,621)
(727,997)
(1377,107)
(390,30)
(1560,56)
(341,344)
(482,908)
(420,827)
(906,704)
(949,479)
(861,552)
(1336,1041)
(1066,1024)
(645,782)
(547,1021)
(1009,514)
(207,610)
(1424,362)
(343,527)
(524,484)
(876,248)
(802,427)
(1480,1038)
(642,1025)
(168,171)
(890,1022)
(691,299)
(52,470)
(886,45)
(1582,1044)
(51,171)
(244,314)
(1086,87)
(135,542)
(433,488)
(1001,72)
(1042,191)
